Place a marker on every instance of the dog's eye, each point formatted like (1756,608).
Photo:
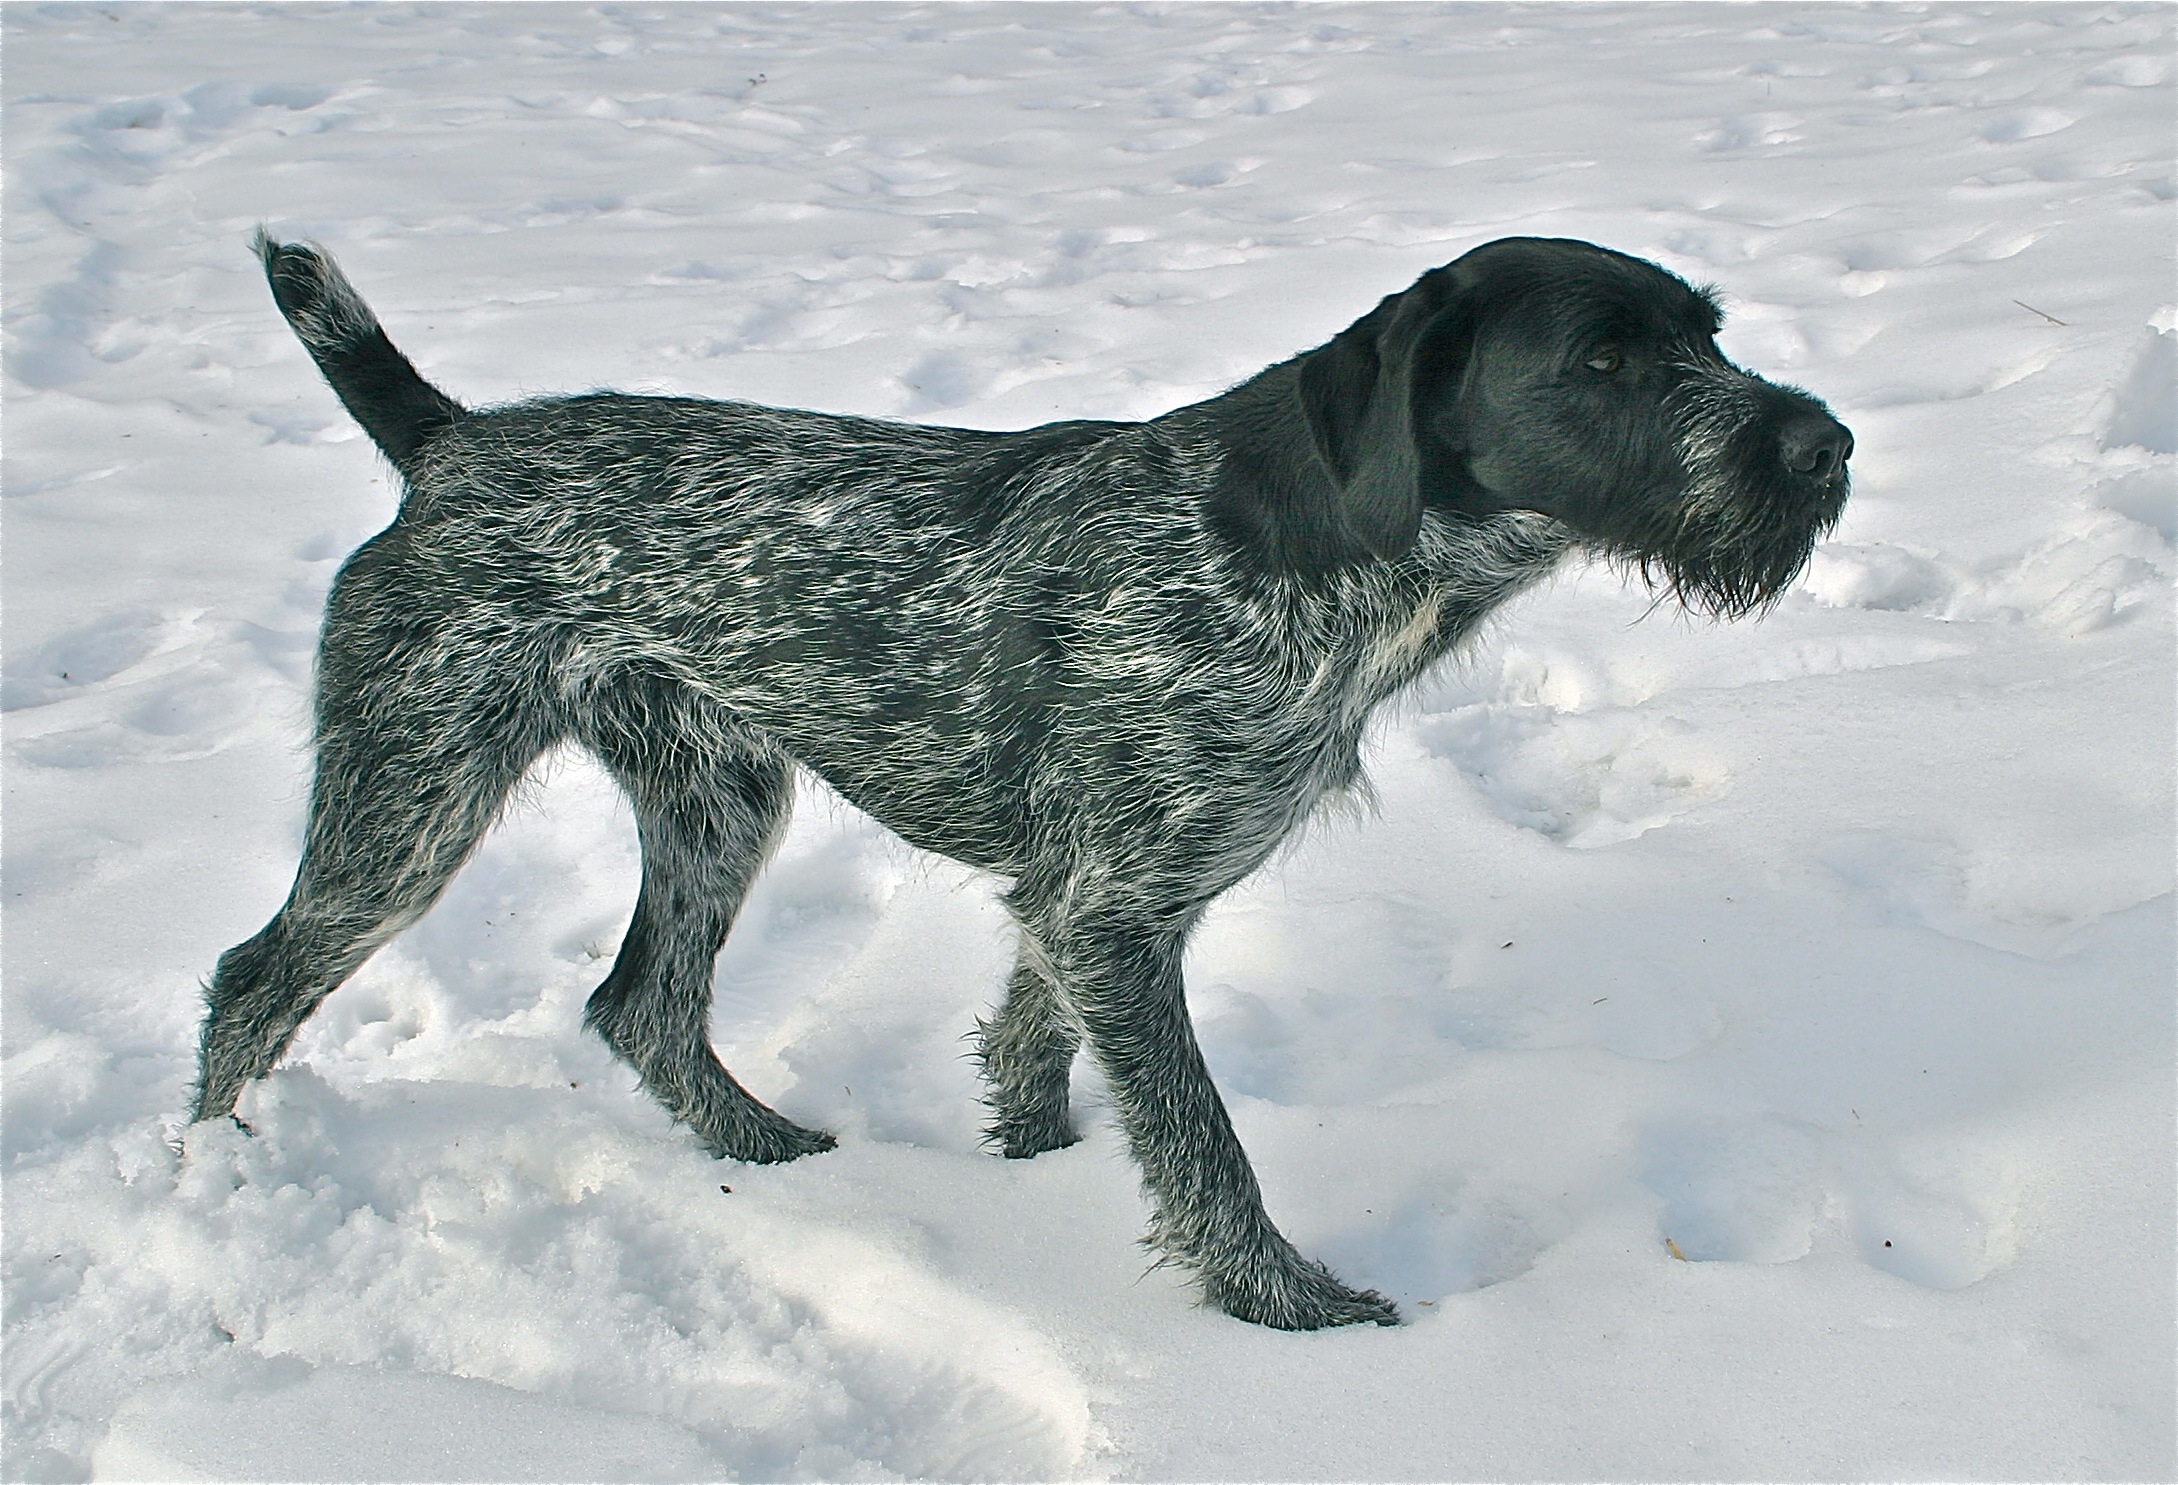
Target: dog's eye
(1606,360)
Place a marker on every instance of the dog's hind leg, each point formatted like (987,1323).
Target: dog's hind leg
(710,801)
(1027,1051)
(407,782)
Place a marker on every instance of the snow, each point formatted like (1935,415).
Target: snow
(1744,1051)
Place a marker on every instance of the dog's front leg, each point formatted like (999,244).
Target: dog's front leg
(1122,980)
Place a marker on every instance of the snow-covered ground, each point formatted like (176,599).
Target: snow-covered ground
(1743,1051)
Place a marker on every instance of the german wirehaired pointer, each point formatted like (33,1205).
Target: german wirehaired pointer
(1113,663)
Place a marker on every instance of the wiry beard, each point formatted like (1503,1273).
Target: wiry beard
(1741,526)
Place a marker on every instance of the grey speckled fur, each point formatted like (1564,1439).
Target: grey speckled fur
(1115,663)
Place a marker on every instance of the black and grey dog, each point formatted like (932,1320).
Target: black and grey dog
(1115,663)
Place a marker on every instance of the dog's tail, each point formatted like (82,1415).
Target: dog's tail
(375,382)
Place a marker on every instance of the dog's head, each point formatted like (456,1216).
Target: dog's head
(1555,376)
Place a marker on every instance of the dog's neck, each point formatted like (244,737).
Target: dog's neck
(1271,508)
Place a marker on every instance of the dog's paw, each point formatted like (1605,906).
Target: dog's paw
(1294,1293)
(181,1135)
(1022,1138)
(772,1144)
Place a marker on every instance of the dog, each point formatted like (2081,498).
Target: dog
(1116,663)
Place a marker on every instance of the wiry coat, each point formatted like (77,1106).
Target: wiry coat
(1117,663)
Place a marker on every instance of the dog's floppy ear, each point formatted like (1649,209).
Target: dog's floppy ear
(1359,394)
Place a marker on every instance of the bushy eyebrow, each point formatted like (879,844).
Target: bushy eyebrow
(1583,316)
(1711,299)
(1590,326)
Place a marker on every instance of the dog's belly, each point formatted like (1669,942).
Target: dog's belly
(937,803)
(1193,809)
(946,770)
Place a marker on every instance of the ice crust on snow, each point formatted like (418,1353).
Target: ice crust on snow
(1744,1052)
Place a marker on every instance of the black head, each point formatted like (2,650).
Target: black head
(1556,376)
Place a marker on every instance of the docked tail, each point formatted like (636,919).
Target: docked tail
(395,405)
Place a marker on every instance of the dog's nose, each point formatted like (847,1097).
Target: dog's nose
(1816,445)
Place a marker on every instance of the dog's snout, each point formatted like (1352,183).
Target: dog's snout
(1816,445)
